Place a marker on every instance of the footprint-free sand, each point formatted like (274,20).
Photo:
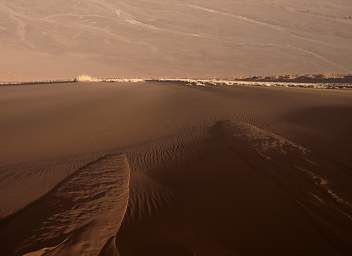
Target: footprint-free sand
(157,168)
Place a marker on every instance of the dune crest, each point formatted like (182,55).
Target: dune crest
(78,217)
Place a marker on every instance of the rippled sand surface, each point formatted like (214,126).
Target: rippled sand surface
(168,169)
(158,38)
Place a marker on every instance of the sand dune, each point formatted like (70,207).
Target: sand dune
(79,216)
(239,185)
(160,168)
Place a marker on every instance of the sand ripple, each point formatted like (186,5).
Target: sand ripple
(78,217)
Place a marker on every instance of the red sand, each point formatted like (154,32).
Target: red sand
(212,171)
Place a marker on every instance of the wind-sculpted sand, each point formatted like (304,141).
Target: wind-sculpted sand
(78,217)
(188,38)
(241,191)
(166,169)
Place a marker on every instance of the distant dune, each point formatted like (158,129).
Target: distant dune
(191,38)
(318,81)
(159,168)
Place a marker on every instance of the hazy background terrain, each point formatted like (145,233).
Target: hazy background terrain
(194,38)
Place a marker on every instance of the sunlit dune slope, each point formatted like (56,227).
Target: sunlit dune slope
(193,38)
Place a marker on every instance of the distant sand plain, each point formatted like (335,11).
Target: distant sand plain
(173,38)
(167,169)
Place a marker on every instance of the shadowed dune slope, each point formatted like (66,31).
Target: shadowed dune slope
(240,191)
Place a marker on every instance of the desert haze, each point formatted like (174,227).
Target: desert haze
(158,38)
(175,127)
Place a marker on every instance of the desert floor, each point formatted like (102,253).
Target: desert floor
(168,169)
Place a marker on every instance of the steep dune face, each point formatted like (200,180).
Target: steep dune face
(173,38)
